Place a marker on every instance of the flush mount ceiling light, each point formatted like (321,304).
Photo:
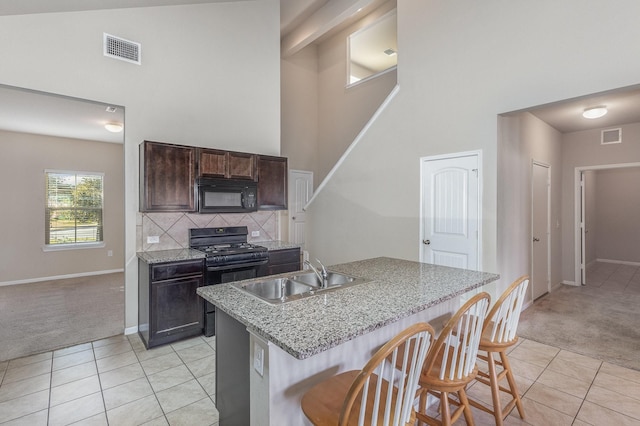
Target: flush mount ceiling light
(390,52)
(595,112)
(114,127)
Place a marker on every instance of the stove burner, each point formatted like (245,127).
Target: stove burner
(226,246)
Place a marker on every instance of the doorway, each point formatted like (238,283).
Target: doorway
(450,210)
(584,225)
(540,230)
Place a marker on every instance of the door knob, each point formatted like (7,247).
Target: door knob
(294,218)
(427,242)
(535,240)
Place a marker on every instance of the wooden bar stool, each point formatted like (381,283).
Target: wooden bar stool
(499,335)
(451,363)
(365,397)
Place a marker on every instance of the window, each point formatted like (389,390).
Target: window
(73,214)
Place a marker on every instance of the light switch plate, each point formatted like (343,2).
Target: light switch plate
(153,239)
(255,233)
(258,359)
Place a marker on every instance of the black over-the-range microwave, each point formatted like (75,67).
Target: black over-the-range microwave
(226,195)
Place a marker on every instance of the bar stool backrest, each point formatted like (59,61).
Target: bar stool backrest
(399,362)
(456,349)
(505,314)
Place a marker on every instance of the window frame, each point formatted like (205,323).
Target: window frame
(75,245)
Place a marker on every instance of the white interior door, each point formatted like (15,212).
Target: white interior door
(540,260)
(300,192)
(451,210)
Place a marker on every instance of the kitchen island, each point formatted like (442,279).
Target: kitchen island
(284,349)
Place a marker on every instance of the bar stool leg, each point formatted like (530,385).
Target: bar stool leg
(512,383)
(495,391)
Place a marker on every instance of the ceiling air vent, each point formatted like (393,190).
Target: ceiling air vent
(611,136)
(119,48)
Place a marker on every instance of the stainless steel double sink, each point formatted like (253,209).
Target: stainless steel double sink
(286,289)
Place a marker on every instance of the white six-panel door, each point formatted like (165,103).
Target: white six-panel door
(300,192)
(451,210)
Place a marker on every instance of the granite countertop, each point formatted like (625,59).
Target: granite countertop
(314,324)
(162,256)
(277,245)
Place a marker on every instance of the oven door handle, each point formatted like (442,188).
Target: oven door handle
(241,265)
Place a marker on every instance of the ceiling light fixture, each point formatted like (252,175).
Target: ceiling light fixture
(114,127)
(390,52)
(595,112)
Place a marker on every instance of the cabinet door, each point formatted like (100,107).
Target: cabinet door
(272,183)
(213,163)
(177,309)
(168,177)
(242,165)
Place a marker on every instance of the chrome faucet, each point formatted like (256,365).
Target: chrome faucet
(321,274)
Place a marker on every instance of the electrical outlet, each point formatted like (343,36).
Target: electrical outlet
(255,233)
(109,253)
(258,359)
(153,239)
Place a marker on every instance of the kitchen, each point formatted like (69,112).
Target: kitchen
(485,95)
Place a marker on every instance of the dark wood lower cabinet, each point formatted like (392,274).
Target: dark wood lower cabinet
(169,308)
(281,261)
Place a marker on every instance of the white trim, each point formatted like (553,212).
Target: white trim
(357,139)
(577,209)
(73,246)
(61,277)
(620,262)
(74,172)
(131,330)
(555,287)
(478,155)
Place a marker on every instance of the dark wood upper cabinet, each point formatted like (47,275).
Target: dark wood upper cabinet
(272,183)
(167,177)
(227,164)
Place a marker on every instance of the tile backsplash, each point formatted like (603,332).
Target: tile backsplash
(172,229)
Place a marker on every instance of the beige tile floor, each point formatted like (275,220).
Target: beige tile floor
(117,382)
(114,381)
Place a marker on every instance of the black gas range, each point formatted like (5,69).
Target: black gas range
(229,258)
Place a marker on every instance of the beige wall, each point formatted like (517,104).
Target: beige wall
(22,163)
(618,210)
(210,77)
(299,88)
(343,112)
(583,149)
(462,64)
(524,139)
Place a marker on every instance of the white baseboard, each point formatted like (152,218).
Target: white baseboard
(131,330)
(620,262)
(557,286)
(60,277)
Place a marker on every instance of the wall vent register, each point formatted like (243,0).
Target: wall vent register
(119,48)
(611,136)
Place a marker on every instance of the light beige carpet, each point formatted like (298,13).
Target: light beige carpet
(599,322)
(49,315)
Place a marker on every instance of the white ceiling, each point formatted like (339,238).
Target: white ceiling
(623,107)
(28,111)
